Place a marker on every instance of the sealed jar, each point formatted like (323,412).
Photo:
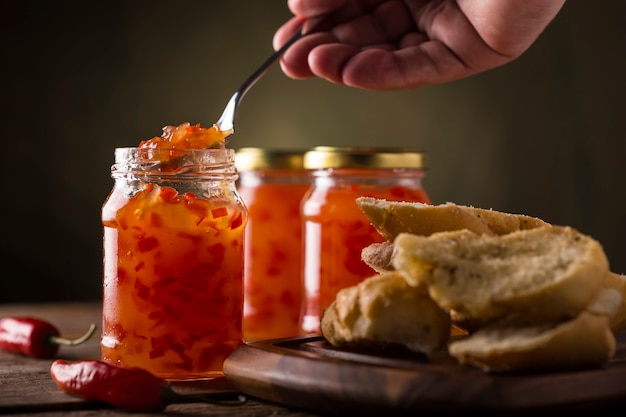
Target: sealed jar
(272,183)
(335,229)
(173,263)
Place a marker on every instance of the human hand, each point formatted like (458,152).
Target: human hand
(396,44)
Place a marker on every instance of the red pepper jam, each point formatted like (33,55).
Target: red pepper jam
(173,265)
(335,229)
(272,184)
(186,136)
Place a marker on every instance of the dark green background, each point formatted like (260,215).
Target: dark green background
(544,135)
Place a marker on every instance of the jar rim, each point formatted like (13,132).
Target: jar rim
(173,162)
(142,155)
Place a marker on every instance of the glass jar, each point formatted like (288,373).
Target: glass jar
(272,184)
(173,263)
(335,229)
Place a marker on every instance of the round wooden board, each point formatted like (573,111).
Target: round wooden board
(309,373)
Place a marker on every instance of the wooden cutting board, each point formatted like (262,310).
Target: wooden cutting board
(310,373)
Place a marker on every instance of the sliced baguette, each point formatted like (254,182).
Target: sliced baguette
(378,256)
(390,218)
(550,272)
(515,344)
(617,320)
(385,310)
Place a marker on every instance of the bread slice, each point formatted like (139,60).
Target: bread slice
(617,320)
(384,310)
(606,302)
(390,218)
(378,256)
(550,272)
(516,344)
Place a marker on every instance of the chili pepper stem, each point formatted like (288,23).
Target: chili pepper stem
(169,396)
(71,342)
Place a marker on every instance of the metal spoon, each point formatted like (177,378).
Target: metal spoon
(226,122)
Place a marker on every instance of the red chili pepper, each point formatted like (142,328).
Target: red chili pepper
(34,337)
(132,389)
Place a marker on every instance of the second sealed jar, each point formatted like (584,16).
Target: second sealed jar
(335,229)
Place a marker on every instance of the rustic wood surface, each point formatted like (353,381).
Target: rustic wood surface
(305,377)
(26,387)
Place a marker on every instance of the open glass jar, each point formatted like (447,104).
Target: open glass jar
(335,229)
(173,263)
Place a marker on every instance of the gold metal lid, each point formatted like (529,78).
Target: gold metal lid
(322,157)
(250,159)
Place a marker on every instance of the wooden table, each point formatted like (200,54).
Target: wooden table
(26,387)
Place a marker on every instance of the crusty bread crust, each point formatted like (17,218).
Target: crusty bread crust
(384,309)
(378,256)
(390,218)
(549,272)
(515,344)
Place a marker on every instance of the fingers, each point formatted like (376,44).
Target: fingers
(328,61)
(286,31)
(310,8)
(379,69)
(295,61)
(373,69)
(418,63)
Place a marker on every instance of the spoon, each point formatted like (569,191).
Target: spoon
(226,122)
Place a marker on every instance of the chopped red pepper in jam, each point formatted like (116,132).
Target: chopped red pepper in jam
(219,212)
(167,194)
(272,295)
(186,136)
(147,244)
(236,221)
